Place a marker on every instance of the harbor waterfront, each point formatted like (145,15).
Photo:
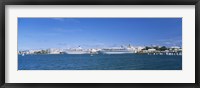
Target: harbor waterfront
(152,50)
(121,58)
(99,62)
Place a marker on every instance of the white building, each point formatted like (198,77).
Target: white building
(151,50)
(54,51)
(139,48)
(175,48)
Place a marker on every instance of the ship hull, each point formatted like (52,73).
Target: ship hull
(77,52)
(116,52)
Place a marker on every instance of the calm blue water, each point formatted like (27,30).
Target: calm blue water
(99,62)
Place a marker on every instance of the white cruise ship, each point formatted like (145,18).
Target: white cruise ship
(120,50)
(78,50)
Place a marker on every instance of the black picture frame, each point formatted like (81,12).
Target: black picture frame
(3,3)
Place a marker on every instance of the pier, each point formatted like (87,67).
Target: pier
(167,53)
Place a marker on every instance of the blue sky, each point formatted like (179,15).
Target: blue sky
(43,33)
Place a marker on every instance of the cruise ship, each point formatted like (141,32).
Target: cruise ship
(78,50)
(120,50)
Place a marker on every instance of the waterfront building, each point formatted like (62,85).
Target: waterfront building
(151,50)
(139,49)
(54,51)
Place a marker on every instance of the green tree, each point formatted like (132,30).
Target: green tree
(157,48)
(146,48)
(163,48)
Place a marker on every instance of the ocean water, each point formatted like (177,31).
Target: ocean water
(99,62)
